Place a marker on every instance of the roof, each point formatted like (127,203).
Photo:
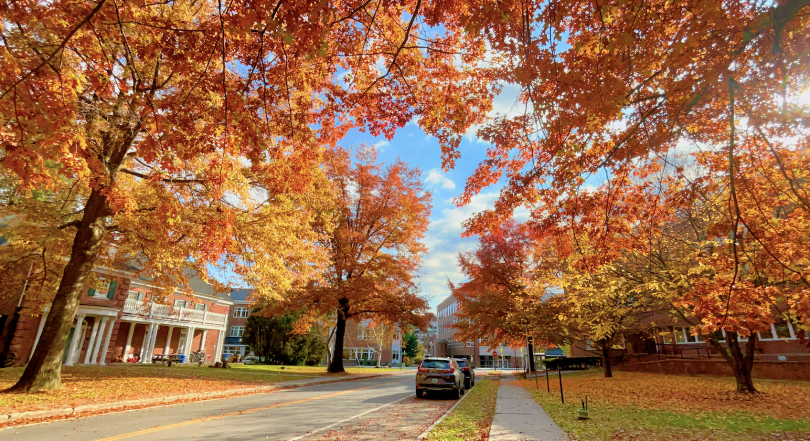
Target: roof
(241,294)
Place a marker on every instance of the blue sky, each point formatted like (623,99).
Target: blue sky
(443,238)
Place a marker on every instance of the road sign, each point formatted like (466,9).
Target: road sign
(494,353)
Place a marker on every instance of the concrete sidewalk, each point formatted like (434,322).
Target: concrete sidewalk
(519,417)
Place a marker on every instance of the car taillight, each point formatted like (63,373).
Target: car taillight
(465,369)
(424,371)
(448,371)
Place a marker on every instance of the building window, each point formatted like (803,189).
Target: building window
(135,295)
(395,355)
(201,307)
(237,331)
(684,335)
(361,353)
(180,303)
(107,289)
(397,335)
(240,312)
(780,330)
(470,344)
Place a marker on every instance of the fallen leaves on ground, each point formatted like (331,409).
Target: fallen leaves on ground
(778,399)
(92,385)
(641,406)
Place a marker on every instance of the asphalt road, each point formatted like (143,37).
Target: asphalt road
(303,413)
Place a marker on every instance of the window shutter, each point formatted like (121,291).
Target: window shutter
(111,292)
(91,292)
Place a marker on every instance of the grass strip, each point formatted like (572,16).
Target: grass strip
(471,419)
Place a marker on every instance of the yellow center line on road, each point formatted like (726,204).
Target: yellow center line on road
(240,412)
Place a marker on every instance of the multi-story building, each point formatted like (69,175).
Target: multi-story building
(125,321)
(502,357)
(237,317)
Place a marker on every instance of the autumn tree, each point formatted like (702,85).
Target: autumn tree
(374,249)
(504,298)
(613,88)
(173,126)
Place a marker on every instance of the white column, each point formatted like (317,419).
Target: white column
(93,334)
(77,333)
(129,340)
(99,340)
(202,340)
(220,345)
(39,331)
(152,341)
(189,342)
(168,345)
(145,345)
(106,345)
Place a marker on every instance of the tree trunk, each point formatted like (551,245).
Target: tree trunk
(340,331)
(45,367)
(531,357)
(741,363)
(606,346)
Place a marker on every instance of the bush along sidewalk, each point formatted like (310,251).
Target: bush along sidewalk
(471,418)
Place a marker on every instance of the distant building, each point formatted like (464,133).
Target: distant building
(502,357)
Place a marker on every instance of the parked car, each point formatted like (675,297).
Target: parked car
(469,372)
(251,359)
(439,374)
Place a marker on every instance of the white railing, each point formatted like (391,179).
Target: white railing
(166,312)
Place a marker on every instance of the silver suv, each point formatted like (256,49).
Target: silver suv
(439,374)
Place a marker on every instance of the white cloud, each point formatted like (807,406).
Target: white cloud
(436,178)
(444,243)
(380,145)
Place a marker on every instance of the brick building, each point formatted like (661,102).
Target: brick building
(123,321)
(502,357)
(671,336)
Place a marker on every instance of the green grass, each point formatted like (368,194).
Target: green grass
(470,420)
(688,415)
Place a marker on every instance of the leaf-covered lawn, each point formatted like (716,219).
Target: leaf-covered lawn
(471,419)
(86,384)
(667,407)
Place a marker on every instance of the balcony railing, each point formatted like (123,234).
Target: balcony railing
(181,315)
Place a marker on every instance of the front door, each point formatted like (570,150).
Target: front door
(181,344)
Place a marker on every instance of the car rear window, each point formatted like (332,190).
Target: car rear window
(435,364)
(461,363)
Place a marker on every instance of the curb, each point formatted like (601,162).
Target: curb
(34,416)
(427,431)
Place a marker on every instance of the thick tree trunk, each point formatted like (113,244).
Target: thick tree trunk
(45,367)
(741,363)
(340,331)
(8,326)
(606,346)
(531,357)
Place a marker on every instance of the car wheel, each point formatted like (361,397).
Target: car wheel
(467,384)
(420,393)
